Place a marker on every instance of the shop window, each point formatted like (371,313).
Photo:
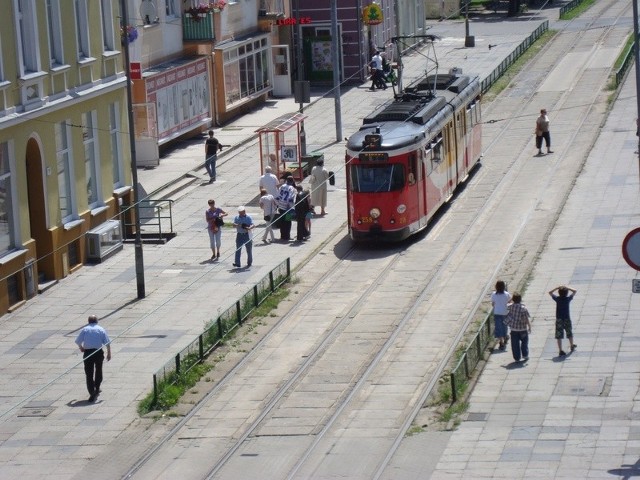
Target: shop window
(247,70)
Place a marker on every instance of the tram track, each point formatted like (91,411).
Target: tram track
(433,277)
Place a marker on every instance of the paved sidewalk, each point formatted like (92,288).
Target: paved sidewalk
(47,427)
(576,416)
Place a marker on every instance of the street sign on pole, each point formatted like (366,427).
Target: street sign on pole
(631,248)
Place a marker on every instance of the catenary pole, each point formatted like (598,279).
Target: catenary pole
(134,166)
(335,40)
(636,50)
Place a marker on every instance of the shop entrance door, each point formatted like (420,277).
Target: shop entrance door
(281,71)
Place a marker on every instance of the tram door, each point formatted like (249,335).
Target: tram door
(449,154)
(416,184)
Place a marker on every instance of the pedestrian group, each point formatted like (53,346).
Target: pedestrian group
(510,314)
(281,202)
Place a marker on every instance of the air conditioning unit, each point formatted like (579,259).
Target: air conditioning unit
(104,240)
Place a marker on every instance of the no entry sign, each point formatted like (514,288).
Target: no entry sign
(631,248)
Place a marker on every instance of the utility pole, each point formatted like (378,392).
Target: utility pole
(335,59)
(134,166)
(636,50)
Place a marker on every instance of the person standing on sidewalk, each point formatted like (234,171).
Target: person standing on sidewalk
(376,72)
(542,132)
(518,319)
(563,318)
(269,182)
(318,182)
(90,340)
(500,299)
(269,209)
(214,218)
(211,148)
(244,225)
(286,200)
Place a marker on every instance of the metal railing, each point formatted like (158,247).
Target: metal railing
(488,81)
(626,63)
(470,358)
(569,6)
(198,28)
(156,220)
(218,329)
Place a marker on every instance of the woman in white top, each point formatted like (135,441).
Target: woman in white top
(318,186)
(499,299)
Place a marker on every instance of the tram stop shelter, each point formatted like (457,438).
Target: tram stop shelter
(280,147)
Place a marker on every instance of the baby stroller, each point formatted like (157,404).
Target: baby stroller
(388,73)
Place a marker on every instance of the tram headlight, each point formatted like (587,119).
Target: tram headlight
(374,213)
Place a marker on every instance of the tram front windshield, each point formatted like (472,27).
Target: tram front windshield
(377,178)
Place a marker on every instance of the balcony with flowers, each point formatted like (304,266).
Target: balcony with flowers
(197,21)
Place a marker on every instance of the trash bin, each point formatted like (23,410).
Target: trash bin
(310,161)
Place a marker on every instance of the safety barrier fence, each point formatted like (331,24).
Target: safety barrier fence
(490,79)
(216,331)
(626,63)
(470,358)
(569,6)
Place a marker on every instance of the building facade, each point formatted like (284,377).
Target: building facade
(363,27)
(64,164)
(197,64)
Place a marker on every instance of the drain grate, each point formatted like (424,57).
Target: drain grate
(477,416)
(35,411)
(586,386)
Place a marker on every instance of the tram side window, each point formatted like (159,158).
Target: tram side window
(413,169)
(433,153)
(473,114)
(377,178)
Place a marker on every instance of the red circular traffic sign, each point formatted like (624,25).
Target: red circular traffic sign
(631,248)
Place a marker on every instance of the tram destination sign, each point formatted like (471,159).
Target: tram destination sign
(373,157)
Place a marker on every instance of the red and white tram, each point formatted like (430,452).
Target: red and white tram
(408,158)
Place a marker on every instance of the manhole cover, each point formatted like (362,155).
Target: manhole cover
(476,417)
(35,412)
(589,386)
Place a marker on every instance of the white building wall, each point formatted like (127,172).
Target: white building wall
(239,19)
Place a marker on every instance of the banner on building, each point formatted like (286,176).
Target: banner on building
(180,92)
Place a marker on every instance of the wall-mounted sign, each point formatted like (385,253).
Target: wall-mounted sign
(294,21)
(135,71)
(372,14)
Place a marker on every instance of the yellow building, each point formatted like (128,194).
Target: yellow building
(64,159)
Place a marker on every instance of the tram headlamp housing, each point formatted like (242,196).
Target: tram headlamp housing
(374,213)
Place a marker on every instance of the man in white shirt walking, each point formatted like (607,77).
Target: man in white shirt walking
(90,340)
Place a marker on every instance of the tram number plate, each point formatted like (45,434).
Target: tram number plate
(635,285)
(366,219)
